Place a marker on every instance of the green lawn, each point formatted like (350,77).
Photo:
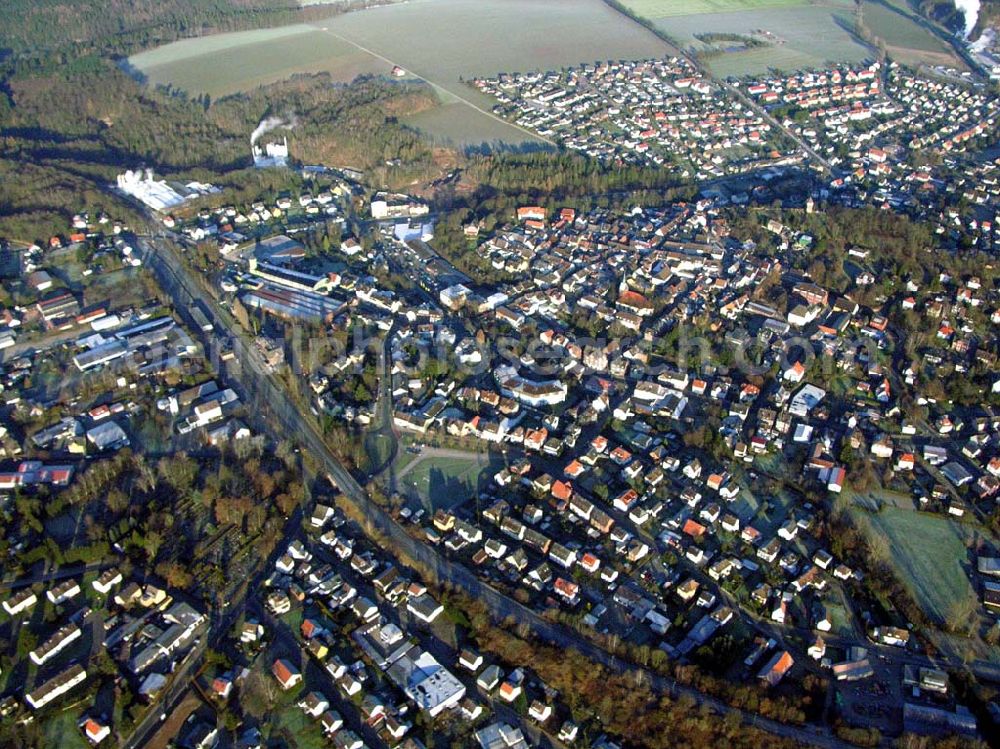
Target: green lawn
(443,482)
(929,553)
(378,448)
(62,731)
(294,617)
(299,730)
(840,619)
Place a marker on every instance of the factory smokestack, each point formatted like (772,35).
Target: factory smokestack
(266,125)
(970,11)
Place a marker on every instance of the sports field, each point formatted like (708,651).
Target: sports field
(445,481)
(930,554)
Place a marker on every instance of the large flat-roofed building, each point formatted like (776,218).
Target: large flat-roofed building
(100,355)
(426,681)
(393,205)
(930,719)
(292,304)
(806,400)
(144,330)
(279,249)
(107,435)
(501,736)
(291,279)
(158,194)
(529,392)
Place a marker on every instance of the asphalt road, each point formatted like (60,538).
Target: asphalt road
(45,343)
(769,118)
(285,422)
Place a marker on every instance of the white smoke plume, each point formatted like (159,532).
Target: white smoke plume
(272,123)
(970,10)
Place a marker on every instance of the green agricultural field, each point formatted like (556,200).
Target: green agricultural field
(229,63)
(445,481)
(653,9)
(444,42)
(930,554)
(800,34)
(450,123)
(905,38)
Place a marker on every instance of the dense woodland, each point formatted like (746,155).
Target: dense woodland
(167,514)
(34,27)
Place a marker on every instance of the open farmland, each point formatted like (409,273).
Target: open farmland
(228,63)
(904,35)
(450,123)
(666,8)
(930,555)
(796,34)
(440,41)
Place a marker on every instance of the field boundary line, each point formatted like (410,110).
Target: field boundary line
(429,82)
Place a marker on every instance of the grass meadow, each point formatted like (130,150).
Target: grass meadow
(904,36)
(929,551)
